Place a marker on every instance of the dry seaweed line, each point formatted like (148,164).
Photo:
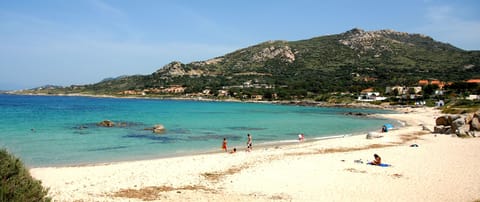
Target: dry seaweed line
(353,170)
(153,192)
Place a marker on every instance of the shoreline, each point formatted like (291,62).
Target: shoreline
(261,146)
(325,170)
(305,103)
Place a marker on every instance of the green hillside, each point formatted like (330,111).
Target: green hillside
(346,62)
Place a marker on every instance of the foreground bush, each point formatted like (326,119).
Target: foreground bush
(16,183)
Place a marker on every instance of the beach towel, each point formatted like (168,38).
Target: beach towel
(381,165)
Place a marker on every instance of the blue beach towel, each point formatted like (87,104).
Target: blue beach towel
(381,165)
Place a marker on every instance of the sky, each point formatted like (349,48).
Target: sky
(58,42)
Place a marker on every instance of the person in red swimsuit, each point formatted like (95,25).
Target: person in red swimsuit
(224,144)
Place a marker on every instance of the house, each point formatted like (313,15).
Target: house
(473,97)
(436,82)
(129,92)
(222,93)
(415,90)
(398,89)
(206,92)
(368,95)
(423,82)
(257,97)
(174,89)
(477,81)
(402,90)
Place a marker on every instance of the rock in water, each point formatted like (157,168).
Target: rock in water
(159,128)
(106,123)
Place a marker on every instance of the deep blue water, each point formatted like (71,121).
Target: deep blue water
(56,130)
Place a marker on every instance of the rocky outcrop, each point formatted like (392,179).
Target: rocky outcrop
(283,52)
(159,128)
(442,121)
(357,114)
(475,121)
(106,123)
(366,41)
(176,68)
(462,126)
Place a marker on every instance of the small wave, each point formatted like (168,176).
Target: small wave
(242,128)
(107,148)
(162,139)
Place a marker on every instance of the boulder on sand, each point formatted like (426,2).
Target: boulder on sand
(475,124)
(106,123)
(442,121)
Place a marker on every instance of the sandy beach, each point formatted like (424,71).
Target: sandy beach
(441,168)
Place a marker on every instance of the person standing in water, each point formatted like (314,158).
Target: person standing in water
(249,142)
(224,144)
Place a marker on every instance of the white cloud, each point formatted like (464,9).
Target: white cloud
(445,24)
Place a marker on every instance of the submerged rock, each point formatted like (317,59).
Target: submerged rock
(356,114)
(106,123)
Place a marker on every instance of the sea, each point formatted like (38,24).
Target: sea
(63,130)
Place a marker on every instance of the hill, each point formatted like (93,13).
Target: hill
(346,62)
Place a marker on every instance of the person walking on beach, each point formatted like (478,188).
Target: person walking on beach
(224,144)
(249,142)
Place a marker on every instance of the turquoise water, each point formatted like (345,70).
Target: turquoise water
(56,130)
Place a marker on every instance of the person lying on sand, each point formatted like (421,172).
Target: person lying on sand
(377,160)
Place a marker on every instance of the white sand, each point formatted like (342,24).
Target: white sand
(442,168)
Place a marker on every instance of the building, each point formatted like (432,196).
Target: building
(473,97)
(368,95)
(174,89)
(403,90)
(222,93)
(436,82)
(477,81)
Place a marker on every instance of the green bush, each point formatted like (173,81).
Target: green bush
(16,183)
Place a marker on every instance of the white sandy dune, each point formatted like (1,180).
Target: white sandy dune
(441,168)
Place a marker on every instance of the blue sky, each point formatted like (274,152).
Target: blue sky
(84,41)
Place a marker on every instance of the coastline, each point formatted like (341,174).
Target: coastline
(86,160)
(323,170)
(310,103)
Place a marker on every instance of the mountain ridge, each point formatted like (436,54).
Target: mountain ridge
(345,62)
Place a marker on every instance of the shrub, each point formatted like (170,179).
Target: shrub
(16,183)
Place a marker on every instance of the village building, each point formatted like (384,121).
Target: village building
(473,97)
(257,97)
(477,81)
(222,93)
(369,95)
(403,90)
(175,89)
(436,82)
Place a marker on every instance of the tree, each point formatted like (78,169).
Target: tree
(16,183)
